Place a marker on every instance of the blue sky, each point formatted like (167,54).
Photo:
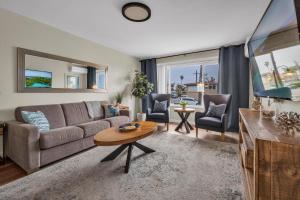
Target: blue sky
(188,73)
(35,73)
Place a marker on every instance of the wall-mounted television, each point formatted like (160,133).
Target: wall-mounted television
(38,79)
(274,52)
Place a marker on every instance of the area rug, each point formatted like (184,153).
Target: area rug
(182,168)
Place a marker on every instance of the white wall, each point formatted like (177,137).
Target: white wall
(18,31)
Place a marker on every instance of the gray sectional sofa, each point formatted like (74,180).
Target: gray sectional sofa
(72,129)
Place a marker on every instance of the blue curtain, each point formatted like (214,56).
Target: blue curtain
(91,77)
(234,80)
(149,68)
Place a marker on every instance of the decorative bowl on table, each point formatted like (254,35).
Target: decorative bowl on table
(268,114)
(129,127)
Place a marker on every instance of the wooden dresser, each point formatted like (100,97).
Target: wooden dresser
(270,160)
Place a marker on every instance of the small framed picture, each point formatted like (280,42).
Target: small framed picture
(72,81)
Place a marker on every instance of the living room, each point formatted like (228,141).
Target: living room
(149,100)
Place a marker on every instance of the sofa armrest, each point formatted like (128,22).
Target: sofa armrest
(23,145)
(124,112)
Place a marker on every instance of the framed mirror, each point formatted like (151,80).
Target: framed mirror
(40,72)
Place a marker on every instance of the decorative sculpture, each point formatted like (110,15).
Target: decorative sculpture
(256,103)
(289,122)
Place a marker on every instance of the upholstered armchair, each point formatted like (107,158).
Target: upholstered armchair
(213,123)
(159,117)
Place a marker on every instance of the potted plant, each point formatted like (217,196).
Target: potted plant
(141,87)
(119,98)
(183,104)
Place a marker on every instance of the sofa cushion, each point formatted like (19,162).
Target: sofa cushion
(75,113)
(209,121)
(92,128)
(111,110)
(95,109)
(37,119)
(53,113)
(60,136)
(118,120)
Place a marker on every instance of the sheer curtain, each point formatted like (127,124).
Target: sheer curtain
(163,81)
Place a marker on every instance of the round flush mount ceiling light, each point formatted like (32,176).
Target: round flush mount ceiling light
(136,12)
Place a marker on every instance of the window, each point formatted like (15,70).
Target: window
(188,82)
(100,79)
(187,77)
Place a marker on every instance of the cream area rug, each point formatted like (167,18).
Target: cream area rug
(182,168)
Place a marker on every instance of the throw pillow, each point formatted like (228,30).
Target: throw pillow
(160,107)
(216,110)
(110,110)
(94,109)
(37,119)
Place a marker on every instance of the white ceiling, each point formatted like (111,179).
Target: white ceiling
(176,26)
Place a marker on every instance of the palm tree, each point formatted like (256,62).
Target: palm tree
(181,78)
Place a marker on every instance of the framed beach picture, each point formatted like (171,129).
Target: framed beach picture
(38,79)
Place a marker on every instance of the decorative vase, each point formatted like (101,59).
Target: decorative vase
(141,117)
(183,107)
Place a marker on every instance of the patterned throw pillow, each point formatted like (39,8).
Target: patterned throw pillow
(111,111)
(160,107)
(216,110)
(37,119)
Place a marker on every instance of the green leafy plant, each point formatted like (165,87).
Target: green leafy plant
(141,86)
(183,103)
(119,98)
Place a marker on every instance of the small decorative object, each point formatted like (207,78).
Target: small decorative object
(119,98)
(256,104)
(141,117)
(183,104)
(129,127)
(140,88)
(289,122)
(268,113)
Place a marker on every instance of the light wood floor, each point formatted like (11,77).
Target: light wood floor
(10,171)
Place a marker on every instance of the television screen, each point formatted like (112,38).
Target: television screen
(38,79)
(274,52)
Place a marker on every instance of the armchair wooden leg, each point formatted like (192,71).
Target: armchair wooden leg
(167,126)
(196,132)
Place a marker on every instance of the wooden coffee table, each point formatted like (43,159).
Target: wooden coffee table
(184,115)
(112,136)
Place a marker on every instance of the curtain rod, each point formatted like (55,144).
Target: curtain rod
(183,54)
